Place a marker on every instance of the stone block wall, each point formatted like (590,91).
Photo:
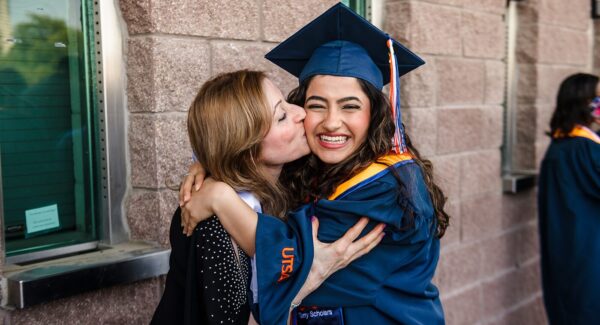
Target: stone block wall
(596,53)
(555,40)
(453,106)
(489,266)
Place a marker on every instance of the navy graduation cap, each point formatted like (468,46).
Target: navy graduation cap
(341,43)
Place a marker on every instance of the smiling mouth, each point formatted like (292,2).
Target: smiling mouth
(339,139)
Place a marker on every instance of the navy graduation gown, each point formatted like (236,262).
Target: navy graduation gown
(569,225)
(391,284)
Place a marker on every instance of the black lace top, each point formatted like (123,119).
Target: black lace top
(224,275)
(207,283)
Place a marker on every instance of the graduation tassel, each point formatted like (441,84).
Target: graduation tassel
(399,144)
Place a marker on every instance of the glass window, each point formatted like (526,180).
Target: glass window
(48,129)
(360,6)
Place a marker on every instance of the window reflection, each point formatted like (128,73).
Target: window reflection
(45,126)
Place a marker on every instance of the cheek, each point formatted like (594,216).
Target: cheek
(282,135)
(277,141)
(269,145)
(309,129)
(310,121)
(361,126)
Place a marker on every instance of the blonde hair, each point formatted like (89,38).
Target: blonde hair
(227,122)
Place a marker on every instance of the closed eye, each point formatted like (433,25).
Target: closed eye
(283,117)
(315,102)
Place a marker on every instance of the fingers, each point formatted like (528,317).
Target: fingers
(187,221)
(199,177)
(198,174)
(185,191)
(189,226)
(193,179)
(315,228)
(347,251)
(366,243)
(354,231)
(367,248)
(372,235)
(184,218)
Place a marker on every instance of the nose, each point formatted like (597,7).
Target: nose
(333,120)
(298,113)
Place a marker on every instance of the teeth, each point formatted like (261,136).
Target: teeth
(337,139)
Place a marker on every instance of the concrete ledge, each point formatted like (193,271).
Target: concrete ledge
(30,284)
(515,183)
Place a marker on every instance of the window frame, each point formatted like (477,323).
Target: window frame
(105,68)
(361,7)
(515,179)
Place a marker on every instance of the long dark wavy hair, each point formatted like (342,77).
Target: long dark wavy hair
(309,178)
(573,103)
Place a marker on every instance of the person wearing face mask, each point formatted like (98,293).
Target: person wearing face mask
(595,108)
(569,205)
(243,131)
(362,164)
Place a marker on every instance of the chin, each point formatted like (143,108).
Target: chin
(331,159)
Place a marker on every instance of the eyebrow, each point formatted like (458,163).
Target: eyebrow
(347,99)
(319,98)
(341,100)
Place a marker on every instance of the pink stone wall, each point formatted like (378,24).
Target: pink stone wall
(596,46)
(554,41)
(489,266)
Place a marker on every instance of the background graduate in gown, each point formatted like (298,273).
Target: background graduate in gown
(569,206)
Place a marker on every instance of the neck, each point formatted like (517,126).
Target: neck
(272,172)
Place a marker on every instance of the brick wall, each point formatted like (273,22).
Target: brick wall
(489,267)
(596,46)
(555,41)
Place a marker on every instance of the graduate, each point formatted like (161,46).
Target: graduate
(595,107)
(362,164)
(569,206)
(209,275)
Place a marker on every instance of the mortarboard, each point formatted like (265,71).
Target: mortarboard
(341,43)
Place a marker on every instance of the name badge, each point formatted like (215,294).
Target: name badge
(318,316)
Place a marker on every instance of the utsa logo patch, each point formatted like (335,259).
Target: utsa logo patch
(287,263)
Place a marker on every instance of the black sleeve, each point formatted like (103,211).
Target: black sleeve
(170,310)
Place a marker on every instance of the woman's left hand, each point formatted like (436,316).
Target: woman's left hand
(331,257)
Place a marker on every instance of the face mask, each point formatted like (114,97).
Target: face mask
(595,107)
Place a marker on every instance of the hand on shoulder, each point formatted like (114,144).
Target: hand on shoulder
(204,203)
